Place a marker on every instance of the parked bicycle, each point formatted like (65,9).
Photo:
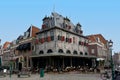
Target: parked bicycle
(105,75)
(117,75)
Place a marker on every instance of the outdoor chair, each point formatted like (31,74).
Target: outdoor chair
(24,72)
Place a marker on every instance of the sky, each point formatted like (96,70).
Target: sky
(95,16)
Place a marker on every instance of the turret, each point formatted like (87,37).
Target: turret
(78,28)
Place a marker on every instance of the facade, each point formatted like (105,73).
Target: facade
(19,51)
(116,60)
(58,44)
(61,44)
(98,46)
(1,52)
(6,54)
(22,48)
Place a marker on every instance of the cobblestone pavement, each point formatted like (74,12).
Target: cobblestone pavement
(55,76)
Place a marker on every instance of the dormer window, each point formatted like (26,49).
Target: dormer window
(98,39)
(45,18)
(57,18)
(78,24)
(26,34)
(67,19)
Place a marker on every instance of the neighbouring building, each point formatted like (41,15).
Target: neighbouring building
(6,54)
(22,48)
(61,44)
(98,46)
(116,60)
(1,52)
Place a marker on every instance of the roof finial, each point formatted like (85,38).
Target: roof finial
(54,8)
(0,40)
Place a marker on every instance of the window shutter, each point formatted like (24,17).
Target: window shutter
(70,40)
(36,41)
(62,38)
(69,27)
(82,43)
(43,26)
(48,38)
(42,41)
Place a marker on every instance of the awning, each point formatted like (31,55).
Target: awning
(100,59)
(26,46)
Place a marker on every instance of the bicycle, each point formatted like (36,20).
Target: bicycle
(105,76)
(117,75)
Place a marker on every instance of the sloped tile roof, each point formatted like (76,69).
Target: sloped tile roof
(34,31)
(93,38)
(5,45)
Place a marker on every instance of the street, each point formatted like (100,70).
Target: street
(55,76)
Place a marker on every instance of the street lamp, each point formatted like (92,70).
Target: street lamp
(112,65)
(0,53)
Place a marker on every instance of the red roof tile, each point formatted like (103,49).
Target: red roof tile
(93,38)
(34,31)
(5,45)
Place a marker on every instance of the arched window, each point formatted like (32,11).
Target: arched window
(68,52)
(81,53)
(49,51)
(60,51)
(41,52)
(75,52)
(86,53)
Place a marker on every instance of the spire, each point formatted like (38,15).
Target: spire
(54,8)
(0,40)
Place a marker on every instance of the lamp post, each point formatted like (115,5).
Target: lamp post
(0,54)
(112,65)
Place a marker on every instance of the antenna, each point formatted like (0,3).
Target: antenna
(54,8)
(0,40)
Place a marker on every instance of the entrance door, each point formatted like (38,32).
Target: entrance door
(20,66)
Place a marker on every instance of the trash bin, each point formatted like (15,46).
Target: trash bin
(41,72)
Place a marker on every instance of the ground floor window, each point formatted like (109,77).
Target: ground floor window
(41,52)
(60,51)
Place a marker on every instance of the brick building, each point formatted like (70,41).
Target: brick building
(98,46)
(6,54)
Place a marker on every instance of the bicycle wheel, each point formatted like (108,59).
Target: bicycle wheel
(103,76)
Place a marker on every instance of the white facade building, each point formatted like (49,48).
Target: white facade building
(60,43)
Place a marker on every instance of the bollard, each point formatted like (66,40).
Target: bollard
(41,72)
(10,70)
